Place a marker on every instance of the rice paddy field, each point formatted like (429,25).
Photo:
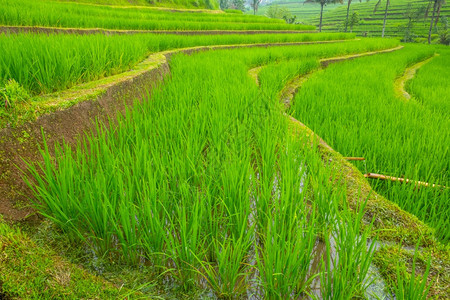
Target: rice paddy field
(370,22)
(84,15)
(244,166)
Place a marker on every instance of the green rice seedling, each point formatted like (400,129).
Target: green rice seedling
(345,272)
(286,243)
(229,275)
(64,211)
(236,193)
(43,64)
(416,287)
(185,238)
(48,63)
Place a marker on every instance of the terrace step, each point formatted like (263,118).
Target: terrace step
(84,31)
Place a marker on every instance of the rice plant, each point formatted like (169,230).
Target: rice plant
(397,138)
(47,63)
(206,186)
(76,15)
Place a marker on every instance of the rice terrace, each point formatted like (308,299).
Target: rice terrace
(224,149)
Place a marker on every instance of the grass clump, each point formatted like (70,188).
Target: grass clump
(12,93)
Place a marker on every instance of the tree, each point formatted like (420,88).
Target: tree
(440,4)
(223,4)
(348,11)
(412,15)
(444,37)
(289,18)
(276,12)
(354,20)
(322,4)
(237,4)
(388,2)
(254,4)
(437,5)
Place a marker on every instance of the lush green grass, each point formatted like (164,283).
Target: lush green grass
(44,64)
(205,188)
(59,14)
(397,138)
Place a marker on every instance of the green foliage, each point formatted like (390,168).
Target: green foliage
(352,21)
(276,12)
(444,35)
(11,93)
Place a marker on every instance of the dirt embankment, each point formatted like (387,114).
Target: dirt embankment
(400,83)
(86,31)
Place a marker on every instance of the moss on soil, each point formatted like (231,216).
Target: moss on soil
(29,271)
(401,82)
(387,258)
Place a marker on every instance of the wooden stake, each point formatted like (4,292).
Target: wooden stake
(402,180)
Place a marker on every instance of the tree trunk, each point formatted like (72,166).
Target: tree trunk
(321,12)
(431,22)
(254,11)
(348,10)
(437,16)
(385,16)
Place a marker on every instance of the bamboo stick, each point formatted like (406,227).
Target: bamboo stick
(354,158)
(402,180)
